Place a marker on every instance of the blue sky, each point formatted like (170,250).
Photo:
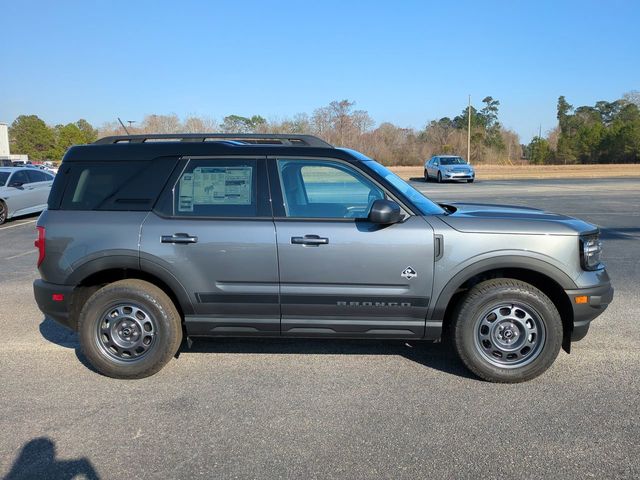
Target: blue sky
(404,62)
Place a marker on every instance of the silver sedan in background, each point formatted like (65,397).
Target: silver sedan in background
(448,167)
(23,191)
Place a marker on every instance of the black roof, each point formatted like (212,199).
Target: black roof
(236,138)
(148,147)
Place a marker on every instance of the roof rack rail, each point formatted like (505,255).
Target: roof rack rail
(241,138)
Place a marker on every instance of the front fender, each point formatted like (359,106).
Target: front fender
(504,261)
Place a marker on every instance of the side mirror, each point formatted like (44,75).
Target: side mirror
(385,212)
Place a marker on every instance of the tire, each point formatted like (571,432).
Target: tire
(507,331)
(4,212)
(439,177)
(470,180)
(129,329)
(426,175)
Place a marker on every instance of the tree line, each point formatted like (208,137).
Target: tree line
(608,132)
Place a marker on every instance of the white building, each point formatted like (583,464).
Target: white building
(4,140)
(5,153)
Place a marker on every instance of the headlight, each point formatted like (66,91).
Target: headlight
(590,250)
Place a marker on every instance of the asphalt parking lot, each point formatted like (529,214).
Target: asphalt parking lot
(345,409)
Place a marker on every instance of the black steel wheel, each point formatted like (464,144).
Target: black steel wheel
(129,329)
(507,331)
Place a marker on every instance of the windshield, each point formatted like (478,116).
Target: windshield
(3,178)
(426,206)
(452,161)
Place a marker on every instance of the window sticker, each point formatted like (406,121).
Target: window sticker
(185,201)
(215,186)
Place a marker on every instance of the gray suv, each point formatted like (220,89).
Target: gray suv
(149,240)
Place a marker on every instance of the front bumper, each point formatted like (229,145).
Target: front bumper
(598,299)
(458,175)
(58,310)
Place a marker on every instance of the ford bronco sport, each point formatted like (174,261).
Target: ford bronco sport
(151,239)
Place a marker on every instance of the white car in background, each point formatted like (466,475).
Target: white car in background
(448,167)
(23,191)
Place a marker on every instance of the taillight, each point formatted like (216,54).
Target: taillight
(40,244)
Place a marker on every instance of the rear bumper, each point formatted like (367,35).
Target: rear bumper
(57,310)
(599,299)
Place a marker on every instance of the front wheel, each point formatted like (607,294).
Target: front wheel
(507,331)
(129,329)
(439,177)
(426,175)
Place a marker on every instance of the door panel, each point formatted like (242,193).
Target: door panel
(341,275)
(213,231)
(230,272)
(353,284)
(20,199)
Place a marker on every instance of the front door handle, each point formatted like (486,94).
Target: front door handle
(312,240)
(179,238)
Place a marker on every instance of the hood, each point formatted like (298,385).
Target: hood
(486,218)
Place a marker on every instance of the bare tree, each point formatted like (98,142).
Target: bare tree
(195,124)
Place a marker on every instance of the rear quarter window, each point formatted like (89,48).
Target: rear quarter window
(122,185)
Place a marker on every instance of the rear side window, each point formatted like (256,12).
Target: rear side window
(132,186)
(218,188)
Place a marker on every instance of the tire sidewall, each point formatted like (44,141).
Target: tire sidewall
(166,339)
(465,334)
(4,212)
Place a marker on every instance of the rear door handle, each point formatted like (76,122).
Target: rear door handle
(312,240)
(179,238)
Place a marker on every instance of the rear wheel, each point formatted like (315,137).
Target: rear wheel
(4,212)
(129,329)
(507,331)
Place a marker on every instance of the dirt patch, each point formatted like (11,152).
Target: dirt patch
(507,172)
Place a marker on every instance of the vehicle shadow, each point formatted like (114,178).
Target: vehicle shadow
(64,337)
(28,216)
(37,459)
(619,233)
(56,333)
(437,356)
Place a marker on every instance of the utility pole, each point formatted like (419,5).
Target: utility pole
(469,134)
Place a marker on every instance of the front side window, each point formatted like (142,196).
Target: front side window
(20,177)
(4,176)
(426,206)
(221,188)
(325,189)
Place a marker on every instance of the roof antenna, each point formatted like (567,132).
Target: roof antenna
(125,128)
